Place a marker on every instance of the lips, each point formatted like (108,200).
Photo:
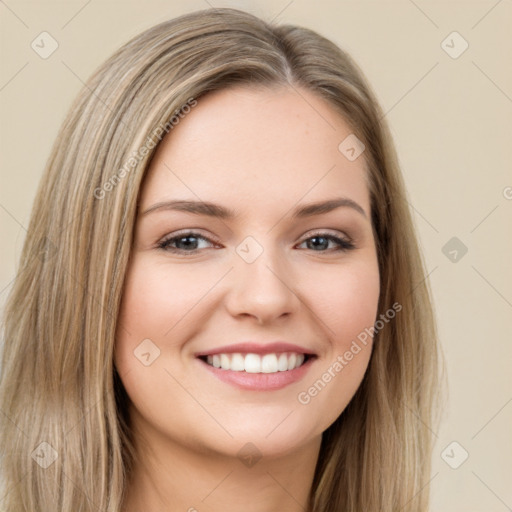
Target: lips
(259,367)
(276,347)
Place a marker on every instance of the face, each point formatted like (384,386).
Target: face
(270,288)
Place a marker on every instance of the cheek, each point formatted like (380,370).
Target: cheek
(158,302)
(160,310)
(346,299)
(157,308)
(346,302)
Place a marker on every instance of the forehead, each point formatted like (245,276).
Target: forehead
(247,147)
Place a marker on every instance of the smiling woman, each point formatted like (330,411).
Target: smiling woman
(224,306)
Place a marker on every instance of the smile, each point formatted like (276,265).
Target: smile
(257,363)
(258,372)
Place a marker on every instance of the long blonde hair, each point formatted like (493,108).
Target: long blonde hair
(58,382)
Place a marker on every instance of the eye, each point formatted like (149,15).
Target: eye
(187,242)
(321,241)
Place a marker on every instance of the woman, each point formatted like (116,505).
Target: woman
(285,355)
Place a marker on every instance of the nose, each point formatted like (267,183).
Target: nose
(263,289)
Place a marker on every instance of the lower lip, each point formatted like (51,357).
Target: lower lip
(260,381)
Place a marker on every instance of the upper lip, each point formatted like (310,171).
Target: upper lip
(250,347)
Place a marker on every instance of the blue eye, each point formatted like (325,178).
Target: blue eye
(189,243)
(321,240)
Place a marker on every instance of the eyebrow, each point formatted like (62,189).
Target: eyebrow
(215,210)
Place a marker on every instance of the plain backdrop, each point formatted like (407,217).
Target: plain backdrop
(448,99)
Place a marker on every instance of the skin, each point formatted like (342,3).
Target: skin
(262,153)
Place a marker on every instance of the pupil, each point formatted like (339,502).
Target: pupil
(188,244)
(316,238)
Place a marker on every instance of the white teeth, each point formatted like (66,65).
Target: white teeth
(252,363)
(282,363)
(269,363)
(255,363)
(237,363)
(224,362)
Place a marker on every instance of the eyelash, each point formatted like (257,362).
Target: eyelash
(344,244)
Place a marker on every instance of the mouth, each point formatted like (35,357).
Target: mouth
(257,363)
(254,367)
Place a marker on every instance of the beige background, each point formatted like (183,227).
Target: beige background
(451,119)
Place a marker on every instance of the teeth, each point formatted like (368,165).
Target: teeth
(237,363)
(269,363)
(254,363)
(282,363)
(224,362)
